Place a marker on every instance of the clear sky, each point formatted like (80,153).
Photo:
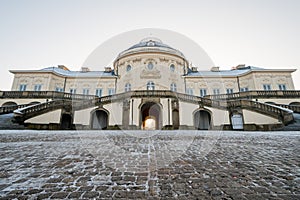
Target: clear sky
(36,34)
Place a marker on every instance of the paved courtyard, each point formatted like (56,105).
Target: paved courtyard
(149,165)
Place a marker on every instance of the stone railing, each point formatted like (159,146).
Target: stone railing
(42,95)
(271,110)
(294,108)
(10,109)
(283,94)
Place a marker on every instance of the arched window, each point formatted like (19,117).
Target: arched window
(173,87)
(172,67)
(150,85)
(128,68)
(150,65)
(127,87)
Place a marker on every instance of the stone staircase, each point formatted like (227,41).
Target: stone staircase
(295,126)
(277,112)
(6,122)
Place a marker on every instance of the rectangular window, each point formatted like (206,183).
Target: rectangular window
(202,92)
(22,87)
(267,87)
(229,91)
(58,89)
(37,87)
(282,87)
(189,91)
(216,91)
(99,92)
(73,91)
(111,91)
(245,89)
(85,91)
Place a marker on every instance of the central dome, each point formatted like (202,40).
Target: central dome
(149,45)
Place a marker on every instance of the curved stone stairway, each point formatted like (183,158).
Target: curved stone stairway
(295,126)
(277,112)
(7,123)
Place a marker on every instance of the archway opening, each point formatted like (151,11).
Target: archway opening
(237,121)
(9,103)
(150,116)
(202,120)
(175,119)
(99,120)
(294,104)
(66,122)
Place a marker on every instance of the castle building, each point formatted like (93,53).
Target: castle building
(154,66)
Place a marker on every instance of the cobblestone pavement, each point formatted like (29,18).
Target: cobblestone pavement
(164,165)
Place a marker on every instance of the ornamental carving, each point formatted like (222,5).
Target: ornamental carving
(164,60)
(150,74)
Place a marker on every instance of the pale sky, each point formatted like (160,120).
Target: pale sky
(36,34)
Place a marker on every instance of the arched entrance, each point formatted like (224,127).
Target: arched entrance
(66,121)
(151,118)
(175,119)
(202,120)
(9,103)
(237,121)
(99,120)
(294,104)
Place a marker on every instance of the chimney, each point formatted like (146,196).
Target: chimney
(85,69)
(63,67)
(107,69)
(241,66)
(215,69)
(194,69)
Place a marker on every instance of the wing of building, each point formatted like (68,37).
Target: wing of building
(154,66)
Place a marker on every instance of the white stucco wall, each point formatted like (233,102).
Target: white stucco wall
(256,118)
(47,118)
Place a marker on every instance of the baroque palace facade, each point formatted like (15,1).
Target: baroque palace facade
(151,86)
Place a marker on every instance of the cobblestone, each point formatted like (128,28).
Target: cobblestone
(163,165)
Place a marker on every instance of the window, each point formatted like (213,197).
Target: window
(111,91)
(229,91)
(127,87)
(202,92)
(282,87)
(73,91)
(128,68)
(58,89)
(99,92)
(267,87)
(37,87)
(189,91)
(150,85)
(23,87)
(173,87)
(244,89)
(172,68)
(150,66)
(216,91)
(85,91)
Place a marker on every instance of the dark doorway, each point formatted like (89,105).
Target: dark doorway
(66,122)
(151,116)
(202,120)
(99,120)
(175,118)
